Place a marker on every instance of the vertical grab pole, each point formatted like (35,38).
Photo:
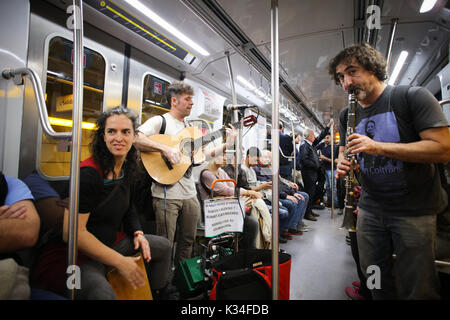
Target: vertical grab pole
(238,143)
(76,139)
(332,172)
(293,142)
(394,23)
(275,143)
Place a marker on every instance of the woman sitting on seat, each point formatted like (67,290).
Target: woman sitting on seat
(104,207)
(214,171)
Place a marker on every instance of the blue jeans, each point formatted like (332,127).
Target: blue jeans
(283,216)
(412,239)
(296,211)
(328,187)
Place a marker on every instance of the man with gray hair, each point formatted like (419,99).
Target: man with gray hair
(310,166)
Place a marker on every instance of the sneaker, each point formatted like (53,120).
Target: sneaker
(310,218)
(356,284)
(305,229)
(295,232)
(353,293)
(286,235)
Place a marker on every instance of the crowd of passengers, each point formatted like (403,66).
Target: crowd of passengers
(34,218)
(396,213)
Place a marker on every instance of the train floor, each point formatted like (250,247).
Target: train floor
(322,264)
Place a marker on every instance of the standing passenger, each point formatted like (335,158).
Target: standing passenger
(402,194)
(177,203)
(310,166)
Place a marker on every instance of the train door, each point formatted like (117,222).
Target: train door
(50,54)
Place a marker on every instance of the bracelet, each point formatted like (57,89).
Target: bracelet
(138,233)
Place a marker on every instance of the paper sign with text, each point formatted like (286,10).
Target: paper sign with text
(223,215)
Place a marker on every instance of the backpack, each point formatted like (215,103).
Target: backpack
(399,97)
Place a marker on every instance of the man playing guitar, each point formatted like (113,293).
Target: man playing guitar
(177,201)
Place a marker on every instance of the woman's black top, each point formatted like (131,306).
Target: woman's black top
(109,204)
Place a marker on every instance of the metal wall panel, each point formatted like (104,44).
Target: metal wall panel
(14,15)
(142,64)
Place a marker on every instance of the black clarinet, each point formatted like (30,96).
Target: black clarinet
(350,179)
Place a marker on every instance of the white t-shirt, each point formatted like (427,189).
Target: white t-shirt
(183,188)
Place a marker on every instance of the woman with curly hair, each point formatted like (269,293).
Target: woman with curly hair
(106,181)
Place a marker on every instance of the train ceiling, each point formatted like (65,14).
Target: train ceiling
(311,32)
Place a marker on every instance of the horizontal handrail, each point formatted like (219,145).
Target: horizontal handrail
(444,102)
(222,180)
(287,157)
(17,75)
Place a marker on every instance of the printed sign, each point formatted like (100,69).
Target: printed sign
(223,215)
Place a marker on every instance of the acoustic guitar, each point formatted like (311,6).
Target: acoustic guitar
(189,141)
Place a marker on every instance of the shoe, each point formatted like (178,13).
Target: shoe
(282,240)
(286,235)
(305,229)
(295,232)
(353,293)
(318,206)
(356,284)
(310,217)
(302,224)
(315,214)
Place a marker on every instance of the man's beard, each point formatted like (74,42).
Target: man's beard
(360,94)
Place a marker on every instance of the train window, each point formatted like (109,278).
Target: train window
(55,156)
(154,100)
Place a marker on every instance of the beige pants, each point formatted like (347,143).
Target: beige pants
(185,213)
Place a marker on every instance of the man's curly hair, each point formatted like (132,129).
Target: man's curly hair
(100,151)
(369,58)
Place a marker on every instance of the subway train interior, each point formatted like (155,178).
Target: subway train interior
(270,56)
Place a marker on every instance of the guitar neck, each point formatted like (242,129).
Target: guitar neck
(207,138)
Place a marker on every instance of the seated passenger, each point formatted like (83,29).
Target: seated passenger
(19,229)
(259,209)
(104,207)
(265,187)
(214,171)
(48,203)
(289,196)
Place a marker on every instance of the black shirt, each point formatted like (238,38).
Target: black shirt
(397,187)
(109,204)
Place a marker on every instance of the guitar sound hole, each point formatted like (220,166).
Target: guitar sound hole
(186,147)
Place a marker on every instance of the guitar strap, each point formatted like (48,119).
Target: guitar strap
(162,130)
